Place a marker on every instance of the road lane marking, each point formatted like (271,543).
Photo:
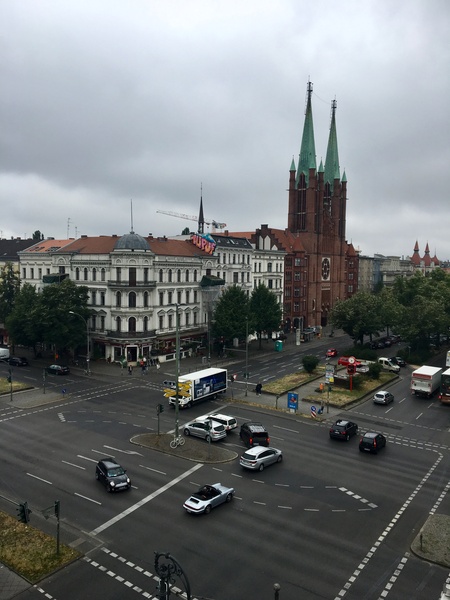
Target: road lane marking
(144,501)
(40,479)
(66,462)
(87,498)
(154,470)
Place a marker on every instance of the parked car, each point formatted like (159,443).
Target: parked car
(18,361)
(258,457)
(112,475)
(331,352)
(398,360)
(254,434)
(383,397)
(58,370)
(228,422)
(207,497)
(343,430)
(372,442)
(205,428)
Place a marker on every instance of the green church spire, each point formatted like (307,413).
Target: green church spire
(332,158)
(307,157)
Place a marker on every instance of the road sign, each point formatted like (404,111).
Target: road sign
(352,360)
(313,411)
(292,399)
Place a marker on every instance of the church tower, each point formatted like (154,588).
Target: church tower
(317,204)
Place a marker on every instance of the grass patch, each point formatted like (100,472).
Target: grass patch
(5,386)
(30,552)
(289,382)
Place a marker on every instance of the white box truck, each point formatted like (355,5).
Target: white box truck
(425,381)
(201,385)
(4,353)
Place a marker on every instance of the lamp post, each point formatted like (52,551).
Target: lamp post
(246,356)
(276,589)
(71,312)
(177,368)
(169,570)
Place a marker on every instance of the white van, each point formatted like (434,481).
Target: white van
(4,353)
(388,365)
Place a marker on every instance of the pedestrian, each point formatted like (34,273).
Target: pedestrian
(130,370)
(258,389)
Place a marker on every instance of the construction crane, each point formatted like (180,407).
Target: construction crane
(215,224)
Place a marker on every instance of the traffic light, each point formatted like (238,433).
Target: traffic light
(160,409)
(23,512)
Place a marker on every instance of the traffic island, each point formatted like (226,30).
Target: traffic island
(193,449)
(433,541)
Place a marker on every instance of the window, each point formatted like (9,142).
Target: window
(169,273)
(132,276)
(195,296)
(118,299)
(178,275)
(234,259)
(119,274)
(170,297)
(103,275)
(132,324)
(145,323)
(179,297)
(270,284)
(195,318)
(350,275)
(297,276)
(296,292)
(94,274)
(145,274)
(235,277)
(40,273)
(93,297)
(161,322)
(77,274)
(145,299)
(32,273)
(102,323)
(24,273)
(269,267)
(132,300)
(170,321)
(118,324)
(350,288)
(187,319)
(85,274)
(161,277)
(297,262)
(296,307)
(61,270)
(188,293)
(187,275)
(161,298)
(195,275)
(93,326)
(102,298)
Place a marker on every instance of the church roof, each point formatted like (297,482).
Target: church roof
(332,159)
(307,157)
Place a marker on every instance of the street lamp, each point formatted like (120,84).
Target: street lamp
(276,589)
(71,312)
(177,368)
(246,356)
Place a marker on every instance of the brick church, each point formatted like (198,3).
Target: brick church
(320,266)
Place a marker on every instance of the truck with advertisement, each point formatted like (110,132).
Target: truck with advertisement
(198,386)
(444,392)
(425,380)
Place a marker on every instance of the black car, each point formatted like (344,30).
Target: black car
(372,442)
(111,474)
(343,430)
(398,360)
(254,434)
(18,361)
(58,370)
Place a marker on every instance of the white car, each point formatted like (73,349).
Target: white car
(207,497)
(228,422)
(205,428)
(259,457)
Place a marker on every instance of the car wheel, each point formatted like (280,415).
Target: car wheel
(229,498)
(261,467)
(187,432)
(280,458)
(96,476)
(361,450)
(208,438)
(347,437)
(109,488)
(207,509)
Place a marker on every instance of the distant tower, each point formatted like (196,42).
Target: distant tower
(201,218)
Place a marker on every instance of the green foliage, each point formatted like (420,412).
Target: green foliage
(310,363)
(37,236)
(9,288)
(230,315)
(374,370)
(185,231)
(358,316)
(23,323)
(265,311)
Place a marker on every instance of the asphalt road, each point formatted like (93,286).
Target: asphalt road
(328,522)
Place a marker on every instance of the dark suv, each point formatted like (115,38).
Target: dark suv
(343,430)
(372,442)
(111,474)
(18,361)
(254,434)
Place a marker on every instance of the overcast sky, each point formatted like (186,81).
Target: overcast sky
(107,101)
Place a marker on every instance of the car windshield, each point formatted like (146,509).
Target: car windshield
(115,472)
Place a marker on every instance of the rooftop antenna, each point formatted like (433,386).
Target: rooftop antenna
(131,203)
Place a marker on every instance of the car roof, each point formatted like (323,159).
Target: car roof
(371,434)
(108,461)
(342,422)
(258,450)
(221,416)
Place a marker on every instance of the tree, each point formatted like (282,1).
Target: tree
(310,363)
(230,314)
(23,324)
(358,316)
(265,311)
(185,231)
(9,288)
(38,236)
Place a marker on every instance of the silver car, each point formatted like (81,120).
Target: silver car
(383,397)
(258,457)
(209,430)
(207,497)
